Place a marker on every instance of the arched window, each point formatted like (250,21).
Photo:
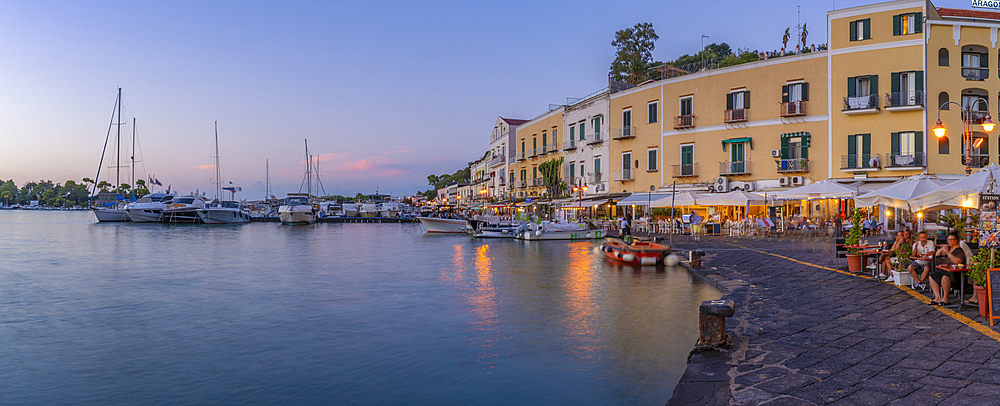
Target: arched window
(943,57)
(943,146)
(942,99)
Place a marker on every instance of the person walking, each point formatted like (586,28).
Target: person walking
(623,227)
(695,226)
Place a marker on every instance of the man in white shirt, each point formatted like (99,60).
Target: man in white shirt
(923,248)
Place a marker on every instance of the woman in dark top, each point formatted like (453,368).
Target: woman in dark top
(941,281)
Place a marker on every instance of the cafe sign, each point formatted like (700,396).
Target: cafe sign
(989,231)
(993,4)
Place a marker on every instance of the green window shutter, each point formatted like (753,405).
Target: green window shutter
(572,132)
(784,93)
(534,172)
(805,91)
(805,147)
(868,28)
(746,99)
(854,30)
(572,171)
(522,147)
(583,127)
(919,23)
(895,82)
(534,143)
(896,24)
(852,84)
(984,60)
(918,142)
(895,143)
(873,82)
(784,148)
(919,80)
(867,147)
(852,145)
(729,101)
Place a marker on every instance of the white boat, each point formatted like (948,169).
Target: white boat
(117,212)
(330,209)
(297,210)
(184,209)
(351,209)
(149,208)
(445,225)
(113,214)
(369,210)
(557,231)
(389,209)
(224,213)
(495,231)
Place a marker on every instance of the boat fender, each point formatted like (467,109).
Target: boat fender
(538,233)
(628,257)
(619,255)
(647,261)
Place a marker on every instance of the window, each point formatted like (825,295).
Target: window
(967,101)
(859,91)
(626,118)
(943,58)
(861,29)
(651,160)
(738,100)
(597,126)
(942,99)
(687,106)
(545,138)
(687,160)
(794,148)
(905,24)
(534,145)
(907,88)
(980,150)
(907,149)
(794,92)
(859,149)
(554,132)
(943,146)
(626,165)
(653,112)
(597,166)
(572,132)
(975,65)
(523,173)
(581,169)
(582,127)
(534,172)
(572,172)
(522,148)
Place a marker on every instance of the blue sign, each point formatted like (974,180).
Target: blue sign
(527,200)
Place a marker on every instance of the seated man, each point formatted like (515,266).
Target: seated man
(921,268)
(941,281)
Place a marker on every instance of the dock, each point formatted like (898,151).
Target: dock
(376,220)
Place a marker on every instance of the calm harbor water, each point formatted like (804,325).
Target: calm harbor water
(99,314)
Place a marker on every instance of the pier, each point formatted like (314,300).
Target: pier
(375,220)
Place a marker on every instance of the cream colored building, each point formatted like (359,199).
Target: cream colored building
(537,141)
(502,156)
(585,144)
(480,178)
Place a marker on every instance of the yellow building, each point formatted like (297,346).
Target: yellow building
(537,141)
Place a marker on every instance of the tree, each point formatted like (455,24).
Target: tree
(360,197)
(140,188)
(634,53)
(785,38)
(103,186)
(550,174)
(805,33)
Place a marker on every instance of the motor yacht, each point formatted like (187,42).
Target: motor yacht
(224,213)
(369,210)
(184,209)
(297,210)
(149,208)
(112,214)
(351,209)
(389,209)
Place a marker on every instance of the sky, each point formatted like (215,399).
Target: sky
(386,92)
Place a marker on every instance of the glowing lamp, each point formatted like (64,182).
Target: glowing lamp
(978,142)
(967,203)
(920,215)
(888,213)
(584,188)
(575,189)
(988,124)
(939,129)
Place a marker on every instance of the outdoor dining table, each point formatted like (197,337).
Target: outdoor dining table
(873,253)
(961,284)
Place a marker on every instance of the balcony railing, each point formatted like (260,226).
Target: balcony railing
(859,161)
(734,168)
(595,138)
(624,132)
(861,102)
(978,160)
(976,115)
(975,73)
(497,160)
(533,152)
(904,99)
(512,158)
(521,156)
(685,121)
(569,144)
(595,178)
(685,170)
(623,175)
(521,184)
(914,160)
(792,165)
(793,108)
(537,181)
(736,115)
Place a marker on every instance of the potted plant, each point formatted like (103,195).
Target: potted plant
(854,239)
(979,267)
(903,254)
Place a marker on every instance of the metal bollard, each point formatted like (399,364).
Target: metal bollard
(694,258)
(712,321)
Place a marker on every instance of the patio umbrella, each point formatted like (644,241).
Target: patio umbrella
(960,193)
(681,199)
(824,189)
(734,198)
(899,194)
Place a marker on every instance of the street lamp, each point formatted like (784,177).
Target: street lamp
(988,125)
(579,188)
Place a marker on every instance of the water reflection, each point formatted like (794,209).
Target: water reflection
(581,311)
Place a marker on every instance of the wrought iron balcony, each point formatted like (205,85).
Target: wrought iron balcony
(624,133)
(792,165)
(868,102)
(736,115)
(497,160)
(623,175)
(914,160)
(537,181)
(685,170)
(684,121)
(569,144)
(595,138)
(904,99)
(859,161)
(521,156)
(734,168)
(793,108)
(977,74)
(533,152)
(595,178)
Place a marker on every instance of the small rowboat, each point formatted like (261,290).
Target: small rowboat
(637,253)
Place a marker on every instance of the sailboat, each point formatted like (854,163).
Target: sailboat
(297,208)
(113,212)
(219,212)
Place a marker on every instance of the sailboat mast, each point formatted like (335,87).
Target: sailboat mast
(118,149)
(267,179)
(133,159)
(308,170)
(218,170)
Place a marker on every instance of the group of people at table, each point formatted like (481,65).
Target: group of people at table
(933,265)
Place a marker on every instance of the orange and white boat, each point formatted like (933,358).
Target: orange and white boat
(637,253)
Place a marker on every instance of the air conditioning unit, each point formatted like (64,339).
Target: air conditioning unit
(784,181)
(600,187)
(776,153)
(749,186)
(797,180)
(722,184)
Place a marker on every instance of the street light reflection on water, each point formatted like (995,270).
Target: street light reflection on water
(100,314)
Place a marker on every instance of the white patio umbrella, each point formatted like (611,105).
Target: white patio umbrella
(824,189)
(960,193)
(681,199)
(734,198)
(899,194)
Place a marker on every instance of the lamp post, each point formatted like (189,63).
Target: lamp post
(988,125)
(579,188)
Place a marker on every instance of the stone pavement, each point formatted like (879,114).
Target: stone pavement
(805,335)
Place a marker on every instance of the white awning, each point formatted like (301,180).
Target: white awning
(641,199)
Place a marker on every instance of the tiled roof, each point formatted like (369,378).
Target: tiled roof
(958,12)
(513,121)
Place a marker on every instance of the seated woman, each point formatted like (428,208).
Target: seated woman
(921,268)
(886,258)
(941,281)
